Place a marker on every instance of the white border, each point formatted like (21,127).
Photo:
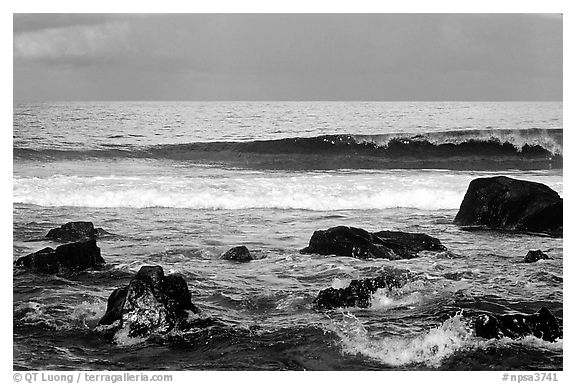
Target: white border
(302,6)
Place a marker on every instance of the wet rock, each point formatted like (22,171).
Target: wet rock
(70,257)
(359,292)
(114,307)
(509,204)
(152,302)
(76,231)
(541,324)
(361,244)
(409,244)
(240,253)
(534,255)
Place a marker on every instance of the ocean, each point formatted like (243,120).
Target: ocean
(179,183)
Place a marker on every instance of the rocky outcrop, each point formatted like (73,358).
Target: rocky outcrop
(541,324)
(151,303)
(241,254)
(534,255)
(509,204)
(359,292)
(361,244)
(76,231)
(70,257)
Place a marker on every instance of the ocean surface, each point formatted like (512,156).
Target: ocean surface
(178,184)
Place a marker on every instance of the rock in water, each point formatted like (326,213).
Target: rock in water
(240,253)
(356,242)
(533,256)
(151,303)
(114,307)
(541,324)
(70,257)
(359,292)
(407,245)
(509,204)
(75,231)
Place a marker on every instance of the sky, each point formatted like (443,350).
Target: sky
(268,57)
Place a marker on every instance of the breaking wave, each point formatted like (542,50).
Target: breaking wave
(430,348)
(465,149)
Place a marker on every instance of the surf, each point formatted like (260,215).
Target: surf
(460,149)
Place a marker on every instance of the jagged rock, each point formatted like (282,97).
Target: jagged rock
(509,204)
(541,324)
(359,292)
(534,255)
(70,257)
(240,253)
(75,231)
(151,303)
(356,242)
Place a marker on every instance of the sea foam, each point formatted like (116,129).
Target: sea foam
(307,192)
(428,348)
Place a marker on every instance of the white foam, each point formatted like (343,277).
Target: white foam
(423,190)
(340,283)
(307,192)
(550,140)
(529,341)
(429,348)
(383,299)
(121,338)
(84,315)
(88,314)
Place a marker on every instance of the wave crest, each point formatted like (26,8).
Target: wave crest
(467,149)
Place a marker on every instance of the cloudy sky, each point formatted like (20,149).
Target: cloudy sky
(287,57)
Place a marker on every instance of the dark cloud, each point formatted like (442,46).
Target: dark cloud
(290,56)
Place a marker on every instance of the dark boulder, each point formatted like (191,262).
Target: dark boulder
(359,292)
(541,324)
(509,204)
(534,256)
(407,245)
(70,257)
(75,231)
(114,307)
(240,253)
(151,303)
(356,242)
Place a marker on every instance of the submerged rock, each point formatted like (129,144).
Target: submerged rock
(533,256)
(361,244)
(541,324)
(359,292)
(240,253)
(70,257)
(75,231)
(509,204)
(152,302)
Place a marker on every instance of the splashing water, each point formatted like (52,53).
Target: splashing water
(429,348)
